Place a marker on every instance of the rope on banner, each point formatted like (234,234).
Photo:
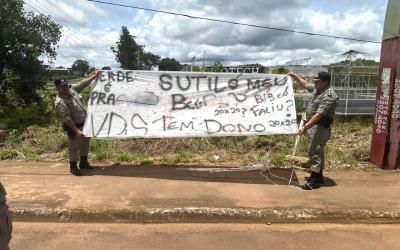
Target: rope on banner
(263,166)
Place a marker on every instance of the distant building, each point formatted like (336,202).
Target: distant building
(45,66)
(60,73)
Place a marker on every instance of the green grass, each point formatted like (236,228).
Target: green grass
(23,116)
(49,139)
(8,153)
(338,156)
(33,134)
(361,153)
(278,158)
(353,124)
(104,155)
(146,161)
(35,142)
(124,156)
(104,146)
(29,152)
(129,156)
(13,136)
(182,156)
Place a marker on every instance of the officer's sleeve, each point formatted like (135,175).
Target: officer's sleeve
(310,87)
(79,86)
(3,192)
(63,112)
(326,104)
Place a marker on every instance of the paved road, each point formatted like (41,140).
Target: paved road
(62,236)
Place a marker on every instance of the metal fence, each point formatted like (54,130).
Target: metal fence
(355,86)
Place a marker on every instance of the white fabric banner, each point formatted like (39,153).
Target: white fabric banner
(128,104)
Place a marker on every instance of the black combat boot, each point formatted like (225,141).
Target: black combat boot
(320,178)
(84,164)
(312,182)
(73,168)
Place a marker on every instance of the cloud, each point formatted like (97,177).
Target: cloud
(182,38)
(90,29)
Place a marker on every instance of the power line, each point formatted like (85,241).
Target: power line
(52,6)
(73,24)
(66,52)
(235,23)
(56,13)
(60,13)
(50,16)
(101,19)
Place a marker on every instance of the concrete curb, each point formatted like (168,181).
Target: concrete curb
(209,215)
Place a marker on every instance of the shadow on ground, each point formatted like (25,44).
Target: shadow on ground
(328,182)
(279,176)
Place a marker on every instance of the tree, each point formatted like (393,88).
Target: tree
(81,66)
(218,67)
(106,68)
(169,64)
(149,60)
(23,38)
(127,50)
(280,71)
(131,55)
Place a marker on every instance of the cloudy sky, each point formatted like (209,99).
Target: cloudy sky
(90,29)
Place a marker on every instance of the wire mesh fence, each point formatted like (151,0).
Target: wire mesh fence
(355,86)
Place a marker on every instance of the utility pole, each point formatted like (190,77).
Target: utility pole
(392,20)
(191,63)
(204,58)
(385,145)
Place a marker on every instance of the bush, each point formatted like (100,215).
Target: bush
(49,139)
(14,136)
(22,117)
(8,153)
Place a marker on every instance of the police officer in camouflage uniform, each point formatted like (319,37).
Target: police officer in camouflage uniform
(71,109)
(5,221)
(318,119)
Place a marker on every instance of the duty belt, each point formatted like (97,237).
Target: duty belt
(325,121)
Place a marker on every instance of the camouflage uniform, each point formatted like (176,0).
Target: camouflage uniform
(323,102)
(5,221)
(71,107)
